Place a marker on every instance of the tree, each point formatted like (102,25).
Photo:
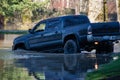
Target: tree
(21,9)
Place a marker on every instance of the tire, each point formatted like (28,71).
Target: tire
(70,47)
(20,47)
(70,58)
(105,48)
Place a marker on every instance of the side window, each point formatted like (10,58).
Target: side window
(53,25)
(40,27)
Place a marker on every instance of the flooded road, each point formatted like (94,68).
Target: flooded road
(28,65)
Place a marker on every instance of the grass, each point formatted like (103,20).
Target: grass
(105,71)
(13,32)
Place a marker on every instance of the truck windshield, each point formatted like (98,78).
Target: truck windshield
(74,21)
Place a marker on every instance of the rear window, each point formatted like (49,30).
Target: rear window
(74,21)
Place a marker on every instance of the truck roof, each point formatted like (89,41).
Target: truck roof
(66,16)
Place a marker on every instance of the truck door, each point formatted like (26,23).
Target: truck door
(53,34)
(37,38)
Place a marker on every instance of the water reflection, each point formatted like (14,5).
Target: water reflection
(57,67)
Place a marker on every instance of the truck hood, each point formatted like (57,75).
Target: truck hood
(21,38)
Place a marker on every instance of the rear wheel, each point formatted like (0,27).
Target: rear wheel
(70,58)
(70,47)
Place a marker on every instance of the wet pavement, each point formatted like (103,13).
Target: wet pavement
(28,65)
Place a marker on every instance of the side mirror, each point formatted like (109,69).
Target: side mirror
(30,31)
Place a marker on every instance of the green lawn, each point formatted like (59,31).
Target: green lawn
(105,71)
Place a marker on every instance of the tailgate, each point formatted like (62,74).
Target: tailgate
(109,31)
(107,28)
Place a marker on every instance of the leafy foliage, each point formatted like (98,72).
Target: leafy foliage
(12,8)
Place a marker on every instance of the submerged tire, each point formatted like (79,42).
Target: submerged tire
(70,47)
(70,58)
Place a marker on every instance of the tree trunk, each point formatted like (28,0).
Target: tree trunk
(1,22)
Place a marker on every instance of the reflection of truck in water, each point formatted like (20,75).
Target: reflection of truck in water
(70,33)
(52,66)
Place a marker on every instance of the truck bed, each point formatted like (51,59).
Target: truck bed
(105,28)
(106,31)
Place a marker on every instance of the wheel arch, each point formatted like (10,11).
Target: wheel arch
(73,37)
(70,36)
(19,45)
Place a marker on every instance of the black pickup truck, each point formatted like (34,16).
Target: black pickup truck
(70,34)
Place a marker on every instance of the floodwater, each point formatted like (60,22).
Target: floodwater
(28,65)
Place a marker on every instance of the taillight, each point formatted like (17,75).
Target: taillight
(89,30)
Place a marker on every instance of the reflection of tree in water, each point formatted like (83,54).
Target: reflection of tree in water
(9,72)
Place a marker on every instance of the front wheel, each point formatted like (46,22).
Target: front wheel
(70,46)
